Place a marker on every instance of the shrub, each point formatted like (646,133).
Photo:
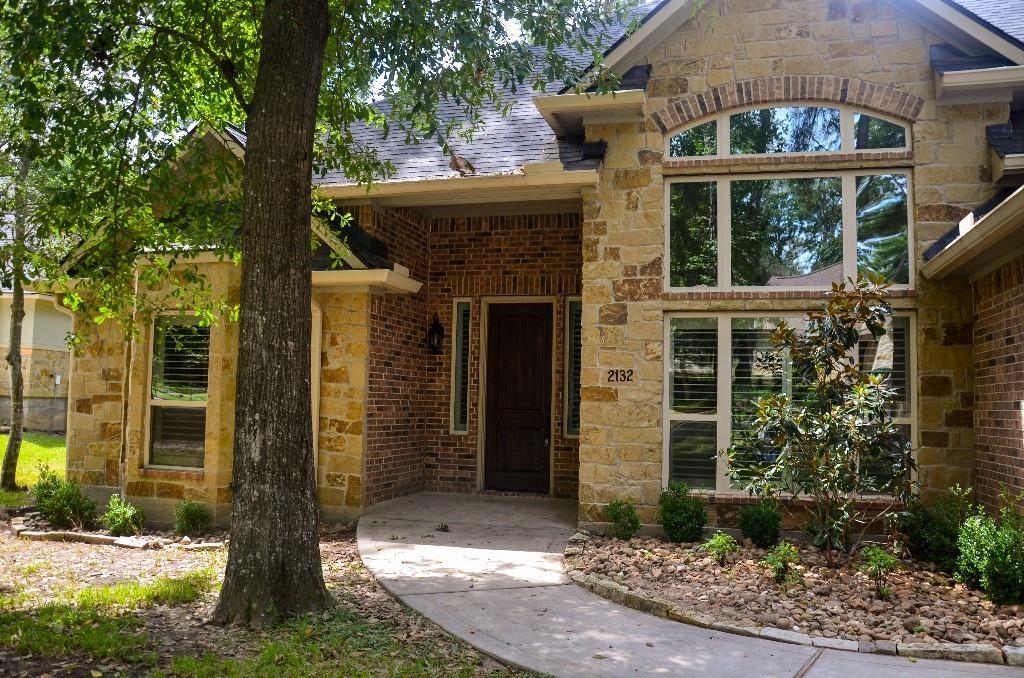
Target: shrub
(761,523)
(780,560)
(61,503)
(812,445)
(878,564)
(622,515)
(683,517)
(720,546)
(931,532)
(190,518)
(992,553)
(123,518)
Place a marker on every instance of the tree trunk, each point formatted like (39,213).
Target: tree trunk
(274,565)
(9,473)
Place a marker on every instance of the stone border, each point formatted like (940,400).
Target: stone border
(19,530)
(964,652)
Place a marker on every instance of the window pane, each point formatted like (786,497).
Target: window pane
(882,244)
(694,367)
(869,132)
(888,356)
(177,436)
(693,234)
(787,232)
(879,469)
(574,327)
(460,410)
(692,452)
(791,129)
(758,368)
(699,140)
(181,357)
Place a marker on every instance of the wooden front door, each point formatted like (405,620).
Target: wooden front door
(518,436)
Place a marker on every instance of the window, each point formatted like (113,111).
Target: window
(573,354)
(717,368)
(460,368)
(785,230)
(178,391)
(788,129)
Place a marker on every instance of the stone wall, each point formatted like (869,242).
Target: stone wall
(999,403)
(749,51)
(45,399)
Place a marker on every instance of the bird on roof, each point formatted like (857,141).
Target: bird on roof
(461,165)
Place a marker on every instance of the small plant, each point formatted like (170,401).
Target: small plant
(720,546)
(190,518)
(61,503)
(683,517)
(879,564)
(622,515)
(761,523)
(932,531)
(123,518)
(992,553)
(780,560)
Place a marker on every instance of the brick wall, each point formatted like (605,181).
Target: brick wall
(476,257)
(999,380)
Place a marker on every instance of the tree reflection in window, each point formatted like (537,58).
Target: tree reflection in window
(871,133)
(787,232)
(882,226)
(789,129)
(696,141)
(693,234)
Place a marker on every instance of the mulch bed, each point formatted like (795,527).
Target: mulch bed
(926,605)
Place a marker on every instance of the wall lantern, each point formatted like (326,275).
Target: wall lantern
(435,335)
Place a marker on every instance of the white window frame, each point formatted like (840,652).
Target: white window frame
(723,405)
(723,135)
(456,302)
(566,433)
(152,402)
(724,226)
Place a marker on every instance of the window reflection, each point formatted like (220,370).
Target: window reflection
(790,129)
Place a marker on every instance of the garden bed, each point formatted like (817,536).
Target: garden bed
(926,607)
(32,526)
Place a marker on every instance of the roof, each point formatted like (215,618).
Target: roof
(1005,17)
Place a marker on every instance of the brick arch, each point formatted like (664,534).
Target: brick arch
(787,88)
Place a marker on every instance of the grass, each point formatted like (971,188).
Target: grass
(96,621)
(339,643)
(37,450)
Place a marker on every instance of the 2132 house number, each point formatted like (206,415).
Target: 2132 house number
(620,375)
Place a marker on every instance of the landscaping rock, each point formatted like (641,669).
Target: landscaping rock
(836,644)
(785,636)
(968,652)
(1014,655)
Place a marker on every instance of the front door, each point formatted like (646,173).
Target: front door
(518,433)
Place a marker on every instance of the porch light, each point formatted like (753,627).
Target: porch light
(435,335)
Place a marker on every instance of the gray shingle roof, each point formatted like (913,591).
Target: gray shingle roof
(503,144)
(1003,16)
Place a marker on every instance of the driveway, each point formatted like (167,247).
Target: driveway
(489,570)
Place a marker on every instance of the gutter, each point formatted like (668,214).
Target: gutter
(983,245)
(377,279)
(980,85)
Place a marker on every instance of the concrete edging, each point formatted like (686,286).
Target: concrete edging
(964,652)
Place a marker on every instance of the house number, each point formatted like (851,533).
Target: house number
(620,375)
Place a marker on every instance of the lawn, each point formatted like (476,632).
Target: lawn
(37,450)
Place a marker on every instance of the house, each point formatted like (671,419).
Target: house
(582,310)
(45,361)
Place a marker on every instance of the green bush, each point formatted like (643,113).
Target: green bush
(932,532)
(720,546)
(190,518)
(992,553)
(780,560)
(878,564)
(622,515)
(683,517)
(61,503)
(761,523)
(123,518)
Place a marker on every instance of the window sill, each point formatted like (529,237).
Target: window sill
(768,293)
(171,473)
(767,163)
(735,498)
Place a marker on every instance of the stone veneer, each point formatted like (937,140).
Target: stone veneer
(758,51)
(999,404)
(45,400)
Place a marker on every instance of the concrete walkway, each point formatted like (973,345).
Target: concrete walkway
(495,579)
